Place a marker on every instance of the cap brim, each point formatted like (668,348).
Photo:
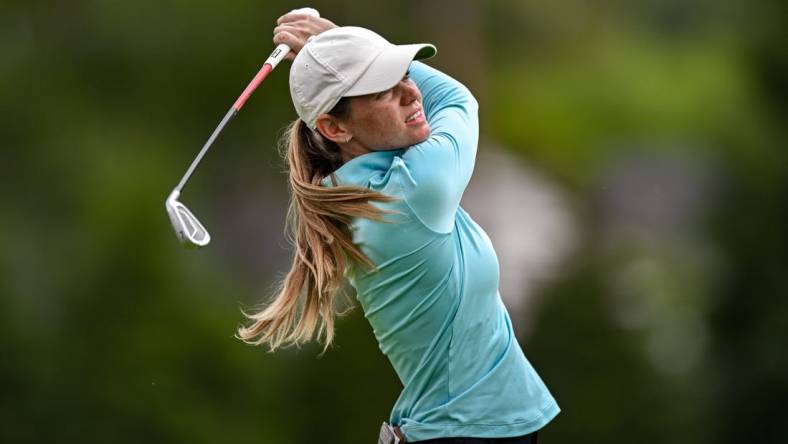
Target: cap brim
(389,68)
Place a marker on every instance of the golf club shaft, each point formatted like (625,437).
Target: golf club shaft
(267,67)
(276,56)
(227,117)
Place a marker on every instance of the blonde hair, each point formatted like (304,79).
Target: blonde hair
(318,227)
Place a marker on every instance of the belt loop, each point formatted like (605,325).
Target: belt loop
(399,434)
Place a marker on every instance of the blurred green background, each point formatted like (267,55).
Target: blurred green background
(660,124)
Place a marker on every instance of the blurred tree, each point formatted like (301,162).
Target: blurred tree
(110,331)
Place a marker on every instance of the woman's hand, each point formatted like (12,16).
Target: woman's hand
(293,29)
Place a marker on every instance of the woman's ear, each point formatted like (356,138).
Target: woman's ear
(332,129)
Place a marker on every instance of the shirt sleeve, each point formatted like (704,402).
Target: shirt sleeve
(437,170)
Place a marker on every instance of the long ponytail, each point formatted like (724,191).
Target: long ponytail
(318,227)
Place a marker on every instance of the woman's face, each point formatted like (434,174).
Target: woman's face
(389,119)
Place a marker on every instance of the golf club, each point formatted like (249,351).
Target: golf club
(187,227)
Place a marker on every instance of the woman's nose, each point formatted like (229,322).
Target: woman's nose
(409,92)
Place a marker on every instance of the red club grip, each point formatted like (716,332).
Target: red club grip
(256,81)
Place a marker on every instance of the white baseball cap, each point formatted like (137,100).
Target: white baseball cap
(344,62)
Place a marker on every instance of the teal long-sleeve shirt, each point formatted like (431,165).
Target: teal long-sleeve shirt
(433,300)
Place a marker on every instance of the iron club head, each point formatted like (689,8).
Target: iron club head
(189,230)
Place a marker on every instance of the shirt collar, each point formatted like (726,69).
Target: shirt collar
(358,170)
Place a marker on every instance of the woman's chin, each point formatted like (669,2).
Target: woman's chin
(422,134)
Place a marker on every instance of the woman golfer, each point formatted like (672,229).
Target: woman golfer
(378,161)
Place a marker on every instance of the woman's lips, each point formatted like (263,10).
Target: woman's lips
(415,118)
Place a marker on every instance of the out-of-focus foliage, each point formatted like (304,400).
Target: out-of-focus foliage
(664,121)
